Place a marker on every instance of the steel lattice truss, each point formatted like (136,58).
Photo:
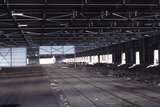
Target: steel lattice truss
(76,22)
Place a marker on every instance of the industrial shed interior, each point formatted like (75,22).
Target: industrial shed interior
(79,53)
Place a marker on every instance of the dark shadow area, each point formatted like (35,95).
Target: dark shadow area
(10,105)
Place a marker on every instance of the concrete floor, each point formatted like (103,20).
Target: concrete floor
(69,88)
(26,90)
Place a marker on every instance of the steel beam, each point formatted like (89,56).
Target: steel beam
(72,28)
(82,4)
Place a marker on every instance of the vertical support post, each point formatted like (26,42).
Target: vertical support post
(120,51)
(159,52)
(143,52)
(51,50)
(11,57)
(127,51)
(90,59)
(63,50)
(132,53)
(117,55)
(39,54)
(99,59)
(158,43)
(114,55)
(75,65)
(151,54)
(26,56)
(51,54)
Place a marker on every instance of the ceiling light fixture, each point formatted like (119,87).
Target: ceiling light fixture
(22,25)
(87,31)
(115,14)
(17,14)
(128,31)
(147,35)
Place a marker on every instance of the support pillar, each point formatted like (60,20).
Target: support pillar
(99,58)
(159,50)
(132,55)
(128,53)
(90,59)
(146,52)
(33,55)
(114,55)
(142,51)
(117,55)
(11,57)
(131,52)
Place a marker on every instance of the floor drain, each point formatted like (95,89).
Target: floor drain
(10,105)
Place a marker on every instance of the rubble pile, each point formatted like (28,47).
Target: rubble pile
(141,73)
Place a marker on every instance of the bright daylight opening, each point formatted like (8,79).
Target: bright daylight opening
(123,58)
(156,57)
(137,58)
(106,58)
(47,60)
(103,58)
(94,59)
(110,60)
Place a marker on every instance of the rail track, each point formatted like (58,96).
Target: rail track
(82,86)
